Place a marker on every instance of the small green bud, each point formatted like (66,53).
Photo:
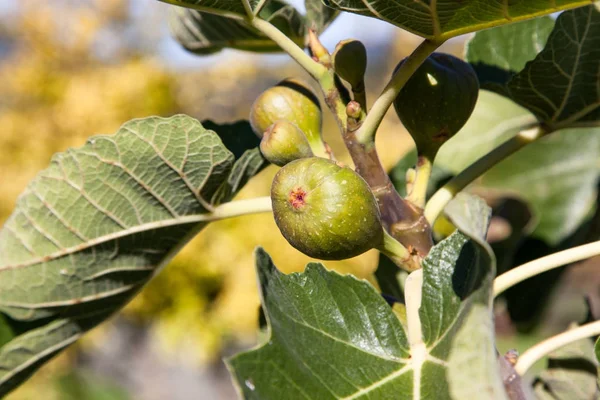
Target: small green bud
(353,109)
(350,62)
(324,210)
(437,101)
(283,142)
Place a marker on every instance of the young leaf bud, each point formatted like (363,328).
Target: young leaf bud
(283,142)
(437,101)
(350,62)
(324,210)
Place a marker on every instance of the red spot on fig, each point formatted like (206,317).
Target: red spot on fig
(297,197)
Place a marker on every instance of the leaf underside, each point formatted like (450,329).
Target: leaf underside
(93,228)
(205,33)
(443,19)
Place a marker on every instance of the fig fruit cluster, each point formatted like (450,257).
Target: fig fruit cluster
(323,209)
(294,102)
(437,101)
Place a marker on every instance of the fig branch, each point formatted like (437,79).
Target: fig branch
(536,267)
(400,218)
(537,352)
(442,197)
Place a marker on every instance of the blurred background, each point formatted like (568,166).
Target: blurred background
(71,69)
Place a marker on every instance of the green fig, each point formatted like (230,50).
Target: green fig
(437,101)
(327,211)
(295,102)
(350,61)
(284,142)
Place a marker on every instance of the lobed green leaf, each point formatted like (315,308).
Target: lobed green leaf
(335,337)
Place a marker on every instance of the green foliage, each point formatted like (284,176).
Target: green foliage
(143,193)
(444,19)
(318,15)
(204,33)
(557,89)
(334,336)
(572,374)
(92,229)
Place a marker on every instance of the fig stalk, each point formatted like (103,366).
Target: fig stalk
(422,173)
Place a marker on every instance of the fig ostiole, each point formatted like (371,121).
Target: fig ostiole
(437,100)
(328,212)
(284,142)
(293,101)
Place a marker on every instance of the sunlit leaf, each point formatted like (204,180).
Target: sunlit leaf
(556,176)
(499,53)
(561,86)
(334,336)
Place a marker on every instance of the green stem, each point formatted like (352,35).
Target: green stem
(546,347)
(418,192)
(399,254)
(442,197)
(536,267)
(297,53)
(240,207)
(366,133)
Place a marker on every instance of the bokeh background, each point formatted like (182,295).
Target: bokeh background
(70,69)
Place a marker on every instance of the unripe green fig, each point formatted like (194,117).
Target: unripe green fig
(284,142)
(350,61)
(437,101)
(324,210)
(293,101)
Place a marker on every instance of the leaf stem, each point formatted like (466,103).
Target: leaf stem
(418,191)
(315,69)
(536,267)
(399,254)
(442,197)
(240,207)
(366,133)
(535,353)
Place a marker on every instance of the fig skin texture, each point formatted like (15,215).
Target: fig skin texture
(324,210)
(283,142)
(437,101)
(290,100)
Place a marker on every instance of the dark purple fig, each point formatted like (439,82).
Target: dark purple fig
(437,101)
